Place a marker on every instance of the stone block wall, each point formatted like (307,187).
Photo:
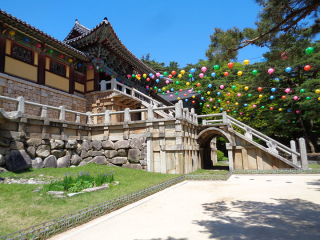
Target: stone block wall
(17,154)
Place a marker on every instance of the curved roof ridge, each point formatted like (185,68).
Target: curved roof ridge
(78,27)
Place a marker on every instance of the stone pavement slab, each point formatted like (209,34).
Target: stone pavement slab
(244,207)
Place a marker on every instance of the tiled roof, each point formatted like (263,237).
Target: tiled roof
(41,32)
(174,97)
(78,28)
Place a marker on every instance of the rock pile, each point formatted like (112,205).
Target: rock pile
(17,155)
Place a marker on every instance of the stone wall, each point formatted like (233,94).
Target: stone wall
(18,154)
(14,87)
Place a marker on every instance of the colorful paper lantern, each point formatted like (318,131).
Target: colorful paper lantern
(307,67)
(239,73)
(230,65)
(246,62)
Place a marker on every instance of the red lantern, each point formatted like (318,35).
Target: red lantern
(230,65)
(185,94)
(148,79)
(155,91)
(180,90)
(271,108)
(198,84)
(139,75)
(38,45)
(288,121)
(226,74)
(307,67)
(173,73)
(259,89)
(193,101)
(61,56)
(228,110)
(283,97)
(106,74)
(170,76)
(228,102)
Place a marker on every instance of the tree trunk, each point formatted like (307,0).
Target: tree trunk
(306,136)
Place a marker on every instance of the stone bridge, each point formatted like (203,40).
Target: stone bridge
(175,144)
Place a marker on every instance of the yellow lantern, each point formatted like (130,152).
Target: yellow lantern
(112,76)
(178,98)
(12,33)
(179,75)
(246,62)
(247,114)
(318,98)
(246,88)
(237,103)
(187,83)
(260,96)
(144,75)
(280,109)
(70,60)
(214,107)
(193,96)
(150,88)
(182,71)
(208,92)
(163,88)
(139,78)
(317,91)
(239,73)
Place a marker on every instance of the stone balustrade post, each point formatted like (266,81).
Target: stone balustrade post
(303,154)
(113,83)
(150,113)
(294,148)
(248,133)
(89,121)
(62,113)
(107,116)
(224,117)
(272,146)
(127,115)
(186,110)
(204,122)
(78,118)
(44,112)
(103,85)
(178,110)
(21,104)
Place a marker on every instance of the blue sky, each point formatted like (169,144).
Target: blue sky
(168,30)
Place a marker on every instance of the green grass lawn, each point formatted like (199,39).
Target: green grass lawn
(314,166)
(20,208)
(210,172)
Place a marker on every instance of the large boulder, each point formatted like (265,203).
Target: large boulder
(4,142)
(96,153)
(143,162)
(35,142)
(100,160)
(56,144)
(85,154)
(3,170)
(4,150)
(37,163)
(107,145)
(144,153)
(18,160)
(31,151)
(63,162)
(45,142)
(135,143)
(121,144)
(110,153)
(122,152)
(16,145)
(58,153)
(134,155)
(2,160)
(87,160)
(132,166)
(75,159)
(119,160)
(96,145)
(50,162)
(43,151)
(71,144)
(83,163)
(86,145)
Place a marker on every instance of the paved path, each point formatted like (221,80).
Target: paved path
(278,207)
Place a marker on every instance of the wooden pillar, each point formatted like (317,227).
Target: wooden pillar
(2,53)
(96,80)
(41,68)
(71,80)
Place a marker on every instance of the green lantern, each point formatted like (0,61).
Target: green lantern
(219,101)
(177,93)
(233,87)
(155,87)
(51,51)
(293,121)
(216,67)
(234,111)
(165,73)
(308,98)
(309,50)
(254,72)
(199,91)
(200,103)
(190,75)
(177,82)
(262,107)
(302,90)
(163,93)
(133,75)
(101,70)
(249,95)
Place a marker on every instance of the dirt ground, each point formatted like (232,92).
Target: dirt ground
(278,207)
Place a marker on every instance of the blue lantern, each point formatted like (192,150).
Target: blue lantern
(288,110)
(263,59)
(26,40)
(282,121)
(161,76)
(186,100)
(221,109)
(273,89)
(213,74)
(171,89)
(218,93)
(288,69)
(272,97)
(210,85)
(79,64)
(202,98)
(159,90)
(192,70)
(277,79)
(157,80)
(245,104)
(150,74)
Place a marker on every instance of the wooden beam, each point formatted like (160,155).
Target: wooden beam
(2,53)
(41,68)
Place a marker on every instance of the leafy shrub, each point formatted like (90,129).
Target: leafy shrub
(220,155)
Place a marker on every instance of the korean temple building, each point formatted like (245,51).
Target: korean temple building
(81,72)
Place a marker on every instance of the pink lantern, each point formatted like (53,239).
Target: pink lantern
(284,55)
(208,105)
(287,90)
(297,112)
(38,45)
(239,94)
(295,98)
(171,95)
(167,81)
(168,91)
(90,67)
(204,69)
(210,99)
(201,75)
(190,91)
(147,87)
(221,86)
(158,74)
(254,105)
(240,113)
(128,76)
(270,70)
(152,76)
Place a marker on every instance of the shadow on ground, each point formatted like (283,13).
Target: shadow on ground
(286,219)
(315,183)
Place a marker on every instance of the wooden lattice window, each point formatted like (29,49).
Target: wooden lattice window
(22,54)
(79,79)
(58,68)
